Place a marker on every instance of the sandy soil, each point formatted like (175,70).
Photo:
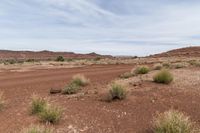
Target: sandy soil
(86,112)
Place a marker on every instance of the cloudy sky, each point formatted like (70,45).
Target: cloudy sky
(118,27)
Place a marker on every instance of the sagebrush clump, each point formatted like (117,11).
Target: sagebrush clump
(51,114)
(164,76)
(117,91)
(60,59)
(142,70)
(37,129)
(80,80)
(126,75)
(71,89)
(173,122)
(38,104)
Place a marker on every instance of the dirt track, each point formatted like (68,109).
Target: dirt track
(86,112)
(19,86)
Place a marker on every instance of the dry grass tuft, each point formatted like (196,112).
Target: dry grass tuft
(80,80)
(142,70)
(38,104)
(117,91)
(164,76)
(2,101)
(37,129)
(173,122)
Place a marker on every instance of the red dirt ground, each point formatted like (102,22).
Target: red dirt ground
(86,112)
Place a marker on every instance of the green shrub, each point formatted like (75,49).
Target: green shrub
(51,114)
(173,122)
(142,70)
(38,104)
(60,59)
(80,80)
(37,129)
(157,67)
(2,102)
(117,91)
(164,76)
(71,89)
(30,60)
(126,75)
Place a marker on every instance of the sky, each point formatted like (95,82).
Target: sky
(117,27)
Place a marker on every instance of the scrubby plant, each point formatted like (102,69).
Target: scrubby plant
(173,122)
(51,114)
(194,63)
(126,75)
(179,65)
(117,91)
(37,129)
(166,65)
(157,67)
(60,59)
(164,76)
(38,104)
(2,101)
(30,60)
(71,89)
(142,70)
(80,80)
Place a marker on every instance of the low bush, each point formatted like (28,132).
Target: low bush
(164,76)
(126,75)
(142,70)
(37,129)
(173,122)
(117,91)
(179,65)
(51,114)
(157,67)
(80,80)
(71,89)
(166,65)
(38,104)
(60,59)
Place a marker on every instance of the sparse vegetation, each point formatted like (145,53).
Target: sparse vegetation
(60,59)
(164,76)
(173,122)
(37,129)
(117,91)
(157,67)
(97,58)
(194,63)
(38,104)
(30,60)
(166,65)
(80,80)
(71,89)
(51,114)
(179,65)
(126,75)
(2,101)
(142,70)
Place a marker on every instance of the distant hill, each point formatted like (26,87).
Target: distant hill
(182,52)
(45,55)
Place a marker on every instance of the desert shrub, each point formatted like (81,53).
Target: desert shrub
(51,114)
(166,65)
(157,67)
(173,122)
(164,76)
(2,101)
(38,104)
(117,91)
(179,65)
(30,60)
(97,58)
(194,63)
(37,129)
(69,60)
(80,80)
(142,70)
(60,59)
(126,75)
(71,89)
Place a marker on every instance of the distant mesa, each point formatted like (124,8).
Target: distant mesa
(46,55)
(182,52)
